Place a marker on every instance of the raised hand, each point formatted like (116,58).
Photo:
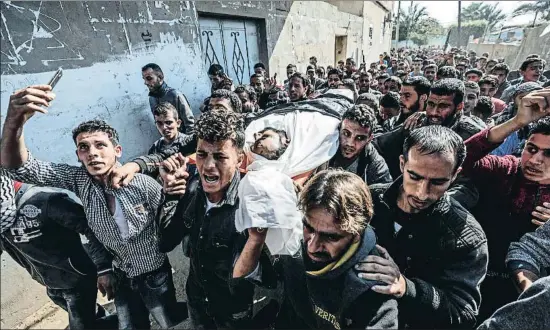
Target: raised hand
(24,103)
(533,106)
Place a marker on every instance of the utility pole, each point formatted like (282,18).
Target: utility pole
(459,32)
(397,26)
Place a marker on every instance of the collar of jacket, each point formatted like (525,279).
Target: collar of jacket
(389,197)
(161,91)
(231,194)
(21,191)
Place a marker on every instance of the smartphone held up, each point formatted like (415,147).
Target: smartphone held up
(56,77)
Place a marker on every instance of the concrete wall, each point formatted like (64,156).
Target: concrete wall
(532,43)
(102,46)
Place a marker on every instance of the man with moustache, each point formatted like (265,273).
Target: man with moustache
(321,289)
(444,106)
(160,92)
(335,77)
(512,190)
(430,71)
(436,251)
(355,153)
(413,96)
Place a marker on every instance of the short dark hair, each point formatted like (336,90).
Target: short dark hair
(351,60)
(259,65)
(475,71)
(291,66)
(256,75)
(284,143)
(305,79)
(321,69)
(155,68)
(96,125)
(472,85)
(436,139)
(383,67)
(228,95)
(395,80)
(484,107)
(362,114)
(447,72)
(488,80)
(528,61)
(421,85)
(430,66)
(163,108)
(337,72)
(216,70)
(350,84)
(501,67)
(371,100)
(252,95)
(382,76)
(310,67)
(492,60)
(390,100)
(449,86)
(219,125)
(541,126)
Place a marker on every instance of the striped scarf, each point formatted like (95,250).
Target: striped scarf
(7,206)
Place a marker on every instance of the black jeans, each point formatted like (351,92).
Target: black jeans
(150,293)
(80,303)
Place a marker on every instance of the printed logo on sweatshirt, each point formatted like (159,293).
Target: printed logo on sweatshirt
(327,317)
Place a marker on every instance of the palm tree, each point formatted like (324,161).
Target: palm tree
(410,20)
(538,7)
(482,11)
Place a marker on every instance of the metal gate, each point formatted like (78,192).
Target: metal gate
(232,43)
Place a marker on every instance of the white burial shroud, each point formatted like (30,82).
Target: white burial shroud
(266,193)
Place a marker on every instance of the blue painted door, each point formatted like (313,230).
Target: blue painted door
(233,43)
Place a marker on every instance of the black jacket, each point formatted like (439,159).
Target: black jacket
(45,239)
(212,243)
(442,253)
(369,165)
(179,101)
(390,147)
(334,300)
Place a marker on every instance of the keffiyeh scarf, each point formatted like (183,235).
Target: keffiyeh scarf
(7,203)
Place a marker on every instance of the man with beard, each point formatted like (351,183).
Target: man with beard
(248,97)
(380,79)
(257,82)
(206,217)
(392,84)
(364,82)
(511,190)
(501,71)
(298,87)
(335,77)
(355,153)
(321,289)
(219,79)
(443,107)
(160,92)
(414,93)
(436,251)
(429,72)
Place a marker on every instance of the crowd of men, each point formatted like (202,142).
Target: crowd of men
(432,213)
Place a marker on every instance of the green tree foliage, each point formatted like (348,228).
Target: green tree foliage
(540,8)
(410,20)
(479,11)
(471,28)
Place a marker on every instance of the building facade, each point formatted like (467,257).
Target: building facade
(102,45)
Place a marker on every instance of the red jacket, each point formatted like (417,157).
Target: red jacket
(506,197)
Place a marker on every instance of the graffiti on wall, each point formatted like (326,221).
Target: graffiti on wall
(73,33)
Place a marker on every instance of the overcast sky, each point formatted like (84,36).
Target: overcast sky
(447,11)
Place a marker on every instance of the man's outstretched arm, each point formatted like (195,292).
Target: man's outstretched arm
(24,103)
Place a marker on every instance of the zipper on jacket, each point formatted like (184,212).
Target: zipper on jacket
(28,259)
